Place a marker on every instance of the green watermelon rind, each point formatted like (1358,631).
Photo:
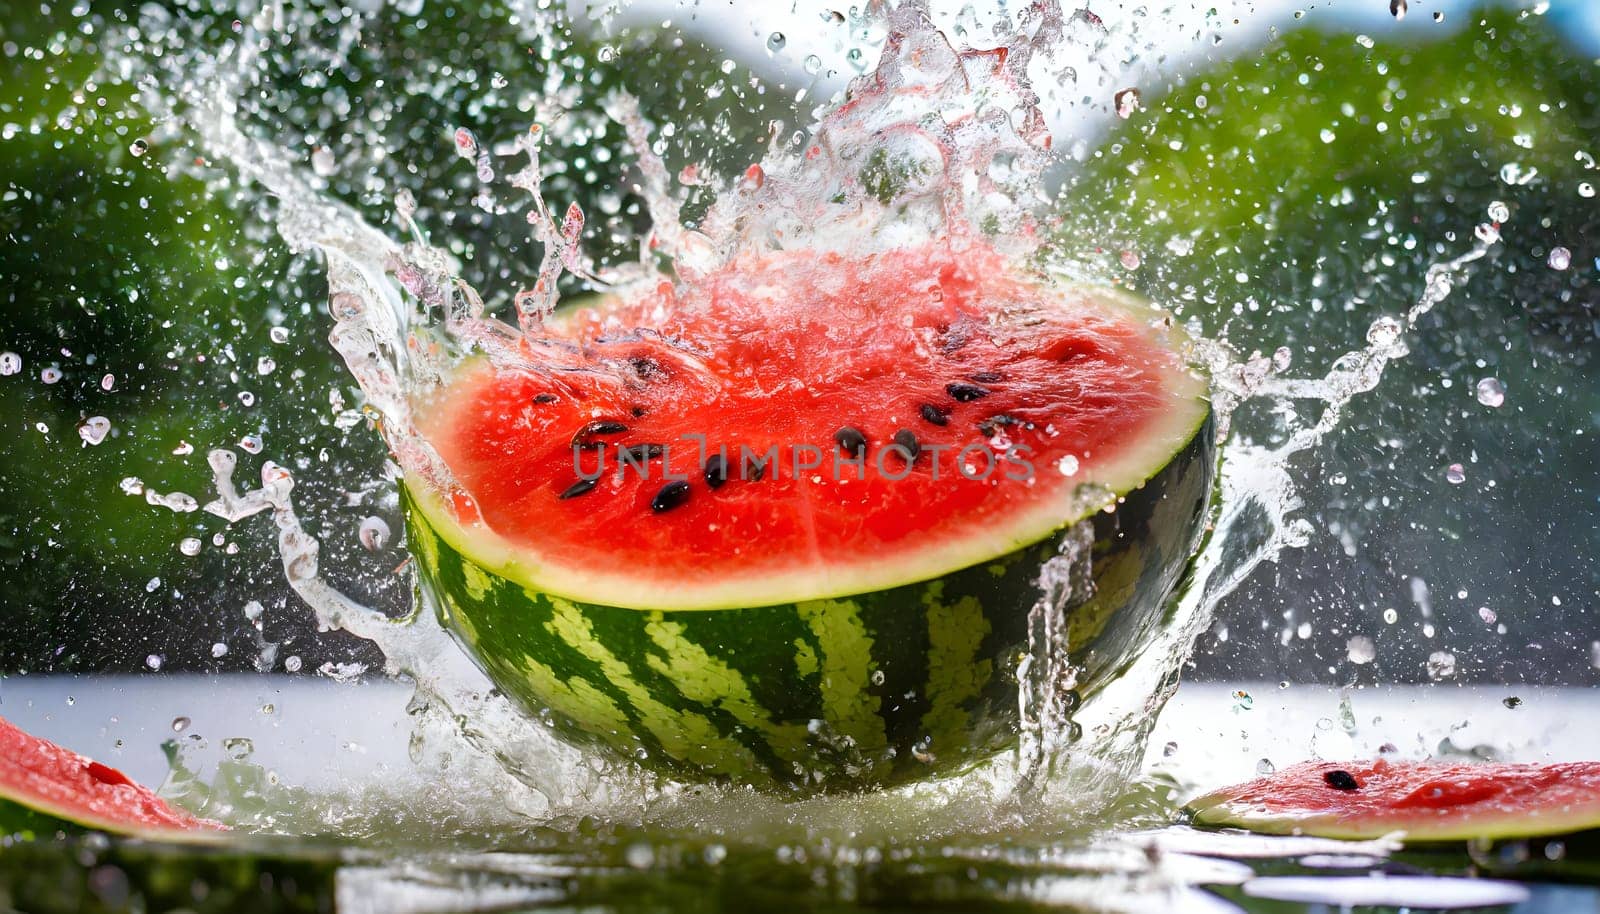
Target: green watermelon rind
(838,692)
(1135,466)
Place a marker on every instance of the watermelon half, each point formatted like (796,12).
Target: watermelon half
(1425,801)
(45,789)
(780,595)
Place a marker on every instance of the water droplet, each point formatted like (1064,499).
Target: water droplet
(1068,465)
(265,366)
(251,444)
(1586,190)
(374,533)
(292,664)
(238,748)
(279,334)
(107,382)
(1487,233)
(323,162)
(1441,666)
(50,375)
(153,661)
(1127,102)
(1130,260)
(1265,767)
(179,724)
(1560,258)
(776,41)
(1455,474)
(138,147)
(1390,616)
(190,546)
(1438,16)
(1487,615)
(607,53)
(1499,212)
(1384,331)
(132,485)
(1361,650)
(1491,392)
(94,430)
(640,856)
(1515,174)
(219,650)
(753,179)
(467,144)
(813,64)
(1397,8)
(247,398)
(10,363)
(1242,700)
(1512,702)
(877,677)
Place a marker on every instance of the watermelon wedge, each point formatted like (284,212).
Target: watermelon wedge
(45,789)
(1425,801)
(785,523)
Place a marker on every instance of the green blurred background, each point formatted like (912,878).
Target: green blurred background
(1277,195)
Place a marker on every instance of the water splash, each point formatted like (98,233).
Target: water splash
(936,140)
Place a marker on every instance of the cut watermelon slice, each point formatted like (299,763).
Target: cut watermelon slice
(753,602)
(45,789)
(1423,801)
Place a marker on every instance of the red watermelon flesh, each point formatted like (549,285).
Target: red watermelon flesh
(951,348)
(46,778)
(1427,801)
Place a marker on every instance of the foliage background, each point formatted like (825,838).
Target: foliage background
(155,268)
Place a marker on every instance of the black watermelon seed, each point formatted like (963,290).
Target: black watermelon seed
(966,393)
(992,424)
(645,368)
(597,427)
(1339,779)
(955,338)
(581,487)
(545,398)
(671,496)
(851,441)
(986,377)
(758,470)
(637,411)
(908,441)
(716,472)
(935,415)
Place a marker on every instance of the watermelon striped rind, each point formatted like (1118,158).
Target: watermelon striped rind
(834,693)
